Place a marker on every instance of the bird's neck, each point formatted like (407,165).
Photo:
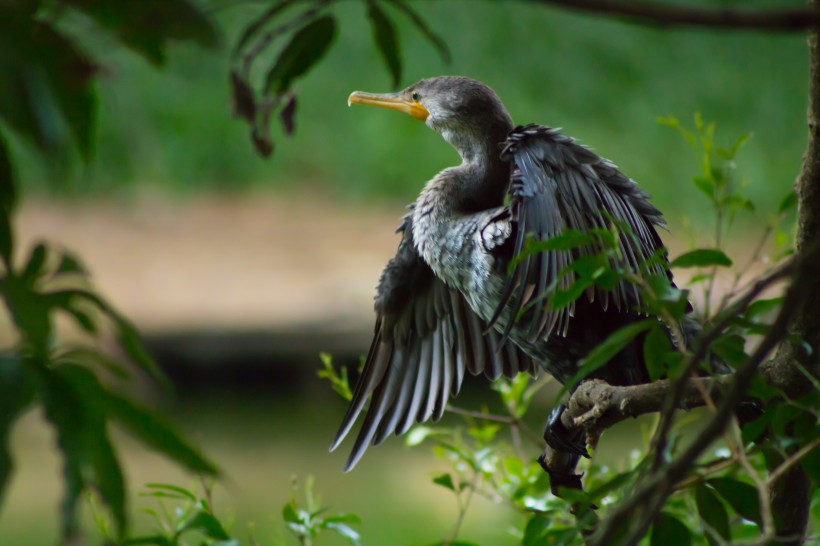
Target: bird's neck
(481,180)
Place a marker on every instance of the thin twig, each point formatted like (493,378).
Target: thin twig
(792,460)
(701,348)
(463,506)
(651,496)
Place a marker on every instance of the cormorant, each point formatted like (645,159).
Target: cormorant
(448,302)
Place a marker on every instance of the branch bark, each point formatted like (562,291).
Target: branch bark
(791,495)
(668,15)
(596,405)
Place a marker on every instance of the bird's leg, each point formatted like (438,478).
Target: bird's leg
(560,439)
(564,450)
(560,466)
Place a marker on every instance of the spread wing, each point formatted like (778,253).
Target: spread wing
(426,337)
(559,184)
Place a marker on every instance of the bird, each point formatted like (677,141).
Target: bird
(463,294)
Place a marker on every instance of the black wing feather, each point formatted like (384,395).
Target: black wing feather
(426,336)
(558,184)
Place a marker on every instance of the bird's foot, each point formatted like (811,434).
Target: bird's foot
(560,466)
(560,439)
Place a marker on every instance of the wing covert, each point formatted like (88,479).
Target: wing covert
(558,184)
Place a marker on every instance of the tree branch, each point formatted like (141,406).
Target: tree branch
(596,405)
(655,13)
(644,505)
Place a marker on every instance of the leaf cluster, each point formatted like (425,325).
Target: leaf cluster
(180,517)
(304,31)
(68,379)
(48,95)
(48,98)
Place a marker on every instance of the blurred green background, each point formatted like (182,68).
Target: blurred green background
(167,138)
(605,82)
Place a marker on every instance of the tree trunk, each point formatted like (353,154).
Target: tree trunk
(791,495)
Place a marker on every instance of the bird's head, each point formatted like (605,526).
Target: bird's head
(467,113)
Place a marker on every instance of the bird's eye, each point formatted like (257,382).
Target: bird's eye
(416,97)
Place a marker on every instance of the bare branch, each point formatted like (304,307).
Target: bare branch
(668,15)
(793,459)
(595,405)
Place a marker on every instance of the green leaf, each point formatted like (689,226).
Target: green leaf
(149,540)
(155,432)
(731,348)
(605,351)
(253,29)
(672,121)
(763,307)
(811,465)
(420,433)
(71,77)
(131,342)
(146,26)
(205,523)
(741,496)
(562,298)
(599,492)
(34,267)
(713,513)
(568,239)
(752,430)
(126,333)
(656,345)
(421,24)
(705,185)
(25,88)
(343,530)
(454,543)
(30,312)
(338,380)
(289,513)
(69,263)
(386,39)
(179,492)
(344,518)
(702,257)
(738,202)
(445,480)
(534,532)
(669,531)
(16,393)
(303,51)
(92,358)
(788,202)
(8,194)
(70,396)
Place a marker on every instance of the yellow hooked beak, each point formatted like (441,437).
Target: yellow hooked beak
(394,101)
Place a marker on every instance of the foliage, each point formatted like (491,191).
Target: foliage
(180,516)
(312,31)
(69,379)
(47,97)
